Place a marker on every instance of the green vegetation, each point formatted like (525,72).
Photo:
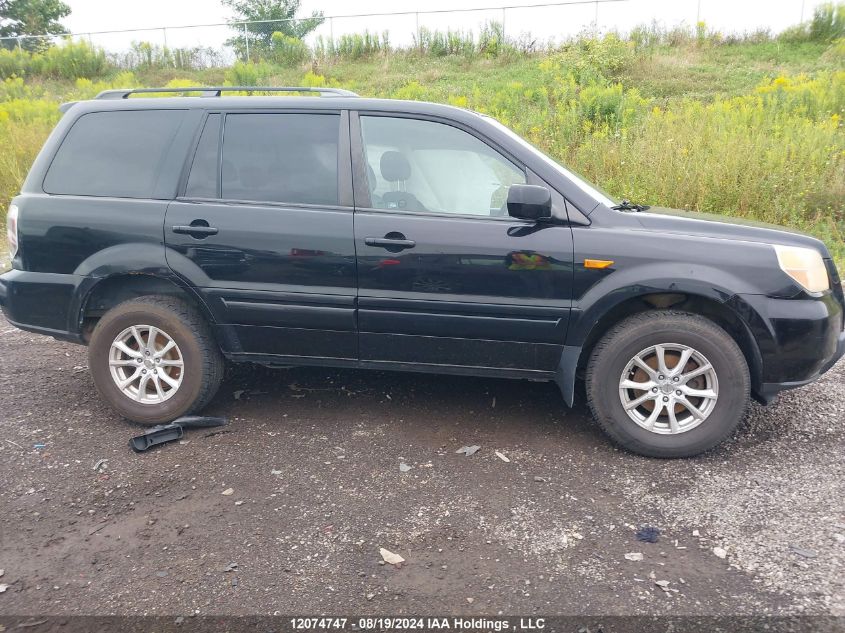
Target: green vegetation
(31,17)
(827,25)
(747,126)
(69,61)
(255,15)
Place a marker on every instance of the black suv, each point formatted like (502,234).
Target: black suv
(169,234)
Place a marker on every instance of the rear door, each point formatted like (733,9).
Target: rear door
(446,278)
(263,229)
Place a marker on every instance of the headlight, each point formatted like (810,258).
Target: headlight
(804,265)
(12,230)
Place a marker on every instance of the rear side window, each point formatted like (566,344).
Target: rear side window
(288,158)
(202,182)
(115,154)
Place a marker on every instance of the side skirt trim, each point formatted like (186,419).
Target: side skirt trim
(459,370)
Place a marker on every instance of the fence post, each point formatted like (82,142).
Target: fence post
(419,43)
(246,39)
(596,20)
(164,32)
(331,29)
(503,23)
(20,48)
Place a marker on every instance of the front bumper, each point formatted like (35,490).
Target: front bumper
(797,339)
(768,390)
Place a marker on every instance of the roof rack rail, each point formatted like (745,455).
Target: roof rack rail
(216,91)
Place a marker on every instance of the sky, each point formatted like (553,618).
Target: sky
(543,23)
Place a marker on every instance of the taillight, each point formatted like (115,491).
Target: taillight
(12,230)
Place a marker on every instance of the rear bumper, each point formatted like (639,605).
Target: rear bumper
(44,303)
(798,339)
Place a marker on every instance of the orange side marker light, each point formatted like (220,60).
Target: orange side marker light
(598,263)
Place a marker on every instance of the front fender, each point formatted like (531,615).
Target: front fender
(646,263)
(617,288)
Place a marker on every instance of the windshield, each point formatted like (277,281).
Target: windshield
(587,187)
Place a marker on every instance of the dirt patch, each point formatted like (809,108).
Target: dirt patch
(313,458)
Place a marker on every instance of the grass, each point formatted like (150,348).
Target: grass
(750,127)
(720,71)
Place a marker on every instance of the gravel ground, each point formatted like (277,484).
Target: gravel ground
(313,460)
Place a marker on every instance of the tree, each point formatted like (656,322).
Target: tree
(261,35)
(31,17)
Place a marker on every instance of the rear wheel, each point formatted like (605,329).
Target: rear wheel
(153,359)
(667,384)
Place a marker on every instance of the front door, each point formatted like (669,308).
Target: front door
(446,278)
(264,231)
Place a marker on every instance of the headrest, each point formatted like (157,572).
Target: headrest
(395,167)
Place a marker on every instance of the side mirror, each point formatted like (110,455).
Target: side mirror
(529,202)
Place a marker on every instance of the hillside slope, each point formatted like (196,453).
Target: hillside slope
(752,128)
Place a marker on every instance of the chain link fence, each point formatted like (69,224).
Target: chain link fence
(218,44)
(529,26)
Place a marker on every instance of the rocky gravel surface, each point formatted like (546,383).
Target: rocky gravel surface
(285,510)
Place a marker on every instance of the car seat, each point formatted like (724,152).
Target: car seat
(396,170)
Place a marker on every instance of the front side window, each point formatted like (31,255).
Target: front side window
(595,192)
(425,166)
(287,158)
(115,154)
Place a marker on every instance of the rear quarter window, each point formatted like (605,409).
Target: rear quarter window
(202,181)
(117,154)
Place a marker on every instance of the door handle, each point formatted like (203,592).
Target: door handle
(389,243)
(196,229)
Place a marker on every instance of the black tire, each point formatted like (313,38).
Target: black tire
(612,354)
(203,363)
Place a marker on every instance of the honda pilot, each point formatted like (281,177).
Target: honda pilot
(171,235)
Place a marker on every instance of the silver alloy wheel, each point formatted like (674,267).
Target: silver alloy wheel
(669,388)
(146,364)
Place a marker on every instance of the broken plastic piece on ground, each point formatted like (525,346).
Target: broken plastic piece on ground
(468,450)
(199,421)
(801,551)
(390,558)
(648,534)
(155,436)
(174,431)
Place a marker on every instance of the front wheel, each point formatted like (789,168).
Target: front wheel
(667,384)
(153,359)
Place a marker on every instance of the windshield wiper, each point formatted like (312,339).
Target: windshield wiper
(627,205)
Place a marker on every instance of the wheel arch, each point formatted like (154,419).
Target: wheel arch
(576,354)
(104,293)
